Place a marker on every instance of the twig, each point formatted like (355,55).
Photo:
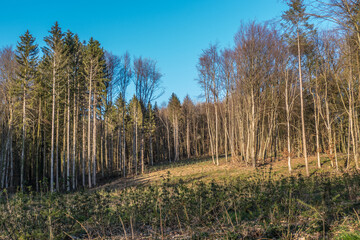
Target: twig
(82,226)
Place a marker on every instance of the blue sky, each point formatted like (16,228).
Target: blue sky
(172,32)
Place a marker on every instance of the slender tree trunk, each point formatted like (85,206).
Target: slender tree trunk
(111,153)
(151,150)
(94,138)
(75,118)
(57,148)
(102,149)
(188,138)
(38,148)
(348,146)
(11,180)
(226,135)
(252,131)
(168,141)
(210,133)
(120,151)
(52,128)
(216,134)
(335,152)
(3,158)
(106,146)
(328,125)
(68,138)
(142,148)
(288,120)
(232,134)
(89,130)
(23,139)
(63,154)
(135,145)
(317,135)
(83,150)
(352,132)
(124,141)
(45,165)
(316,114)
(177,139)
(302,107)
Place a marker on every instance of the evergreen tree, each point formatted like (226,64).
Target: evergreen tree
(56,62)
(136,116)
(175,110)
(26,56)
(150,128)
(94,71)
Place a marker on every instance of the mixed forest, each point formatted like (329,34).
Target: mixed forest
(74,116)
(285,89)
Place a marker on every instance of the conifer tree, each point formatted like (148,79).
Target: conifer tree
(26,56)
(125,75)
(150,127)
(56,62)
(136,116)
(175,110)
(8,86)
(94,70)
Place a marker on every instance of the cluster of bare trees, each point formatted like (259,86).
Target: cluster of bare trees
(287,91)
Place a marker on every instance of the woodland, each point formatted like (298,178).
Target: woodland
(288,89)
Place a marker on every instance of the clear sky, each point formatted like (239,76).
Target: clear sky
(172,32)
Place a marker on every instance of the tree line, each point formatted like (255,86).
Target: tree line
(64,116)
(283,90)
(287,89)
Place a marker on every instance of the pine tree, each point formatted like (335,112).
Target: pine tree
(136,116)
(175,110)
(56,62)
(26,56)
(94,70)
(150,128)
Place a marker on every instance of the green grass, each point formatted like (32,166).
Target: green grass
(259,205)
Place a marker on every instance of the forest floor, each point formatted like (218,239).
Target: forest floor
(196,199)
(205,170)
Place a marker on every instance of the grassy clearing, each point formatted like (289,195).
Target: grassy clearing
(179,201)
(203,169)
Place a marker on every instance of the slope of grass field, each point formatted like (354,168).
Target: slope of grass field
(196,199)
(205,170)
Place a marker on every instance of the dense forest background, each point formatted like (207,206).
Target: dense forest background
(286,89)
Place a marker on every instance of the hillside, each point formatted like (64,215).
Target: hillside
(205,170)
(195,200)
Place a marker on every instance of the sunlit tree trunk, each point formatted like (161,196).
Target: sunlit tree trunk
(89,129)
(94,138)
(302,106)
(23,138)
(68,136)
(52,127)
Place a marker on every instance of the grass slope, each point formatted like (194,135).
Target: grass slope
(196,200)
